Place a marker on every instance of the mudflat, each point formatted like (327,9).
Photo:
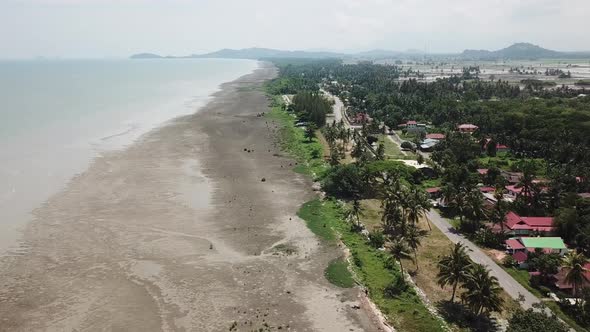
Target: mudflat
(178,232)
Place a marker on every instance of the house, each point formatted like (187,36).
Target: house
(548,245)
(486,189)
(361,118)
(435,136)
(428,144)
(482,171)
(565,286)
(521,257)
(433,193)
(499,147)
(517,225)
(511,177)
(467,128)
(414,127)
(513,191)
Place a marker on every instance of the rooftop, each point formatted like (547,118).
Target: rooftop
(435,136)
(543,242)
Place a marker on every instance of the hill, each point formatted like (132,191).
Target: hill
(519,51)
(146,56)
(515,51)
(265,53)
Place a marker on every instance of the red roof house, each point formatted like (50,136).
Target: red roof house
(467,128)
(520,257)
(482,171)
(487,189)
(517,225)
(436,136)
(560,278)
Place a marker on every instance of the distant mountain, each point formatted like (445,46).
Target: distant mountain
(516,51)
(265,53)
(146,56)
(520,51)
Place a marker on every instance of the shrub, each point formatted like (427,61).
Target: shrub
(396,287)
(407,145)
(508,261)
(376,239)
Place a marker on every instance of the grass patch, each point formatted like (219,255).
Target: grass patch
(374,268)
(318,219)
(392,150)
(338,274)
(309,155)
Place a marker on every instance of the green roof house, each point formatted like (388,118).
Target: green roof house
(531,244)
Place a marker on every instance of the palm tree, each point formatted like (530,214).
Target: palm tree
(355,213)
(455,198)
(399,249)
(482,291)
(527,183)
(454,268)
(574,263)
(498,214)
(418,204)
(414,239)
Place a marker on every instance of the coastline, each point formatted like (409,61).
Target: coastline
(40,154)
(178,232)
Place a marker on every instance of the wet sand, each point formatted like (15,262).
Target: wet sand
(179,233)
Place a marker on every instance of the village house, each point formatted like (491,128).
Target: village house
(467,128)
(499,147)
(361,118)
(562,285)
(414,127)
(548,245)
(520,248)
(435,136)
(511,177)
(428,144)
(517,225)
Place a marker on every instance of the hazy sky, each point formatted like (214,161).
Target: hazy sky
(118,28)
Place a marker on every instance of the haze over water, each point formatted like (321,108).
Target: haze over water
(55,116)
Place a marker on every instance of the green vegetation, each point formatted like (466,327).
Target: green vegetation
(293,140)
(338,274)
(393,150)
(534,321)
(545,130)
(373,267)
(327,219)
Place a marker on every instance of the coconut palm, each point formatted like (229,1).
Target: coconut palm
(354,213)
(498,214)
(482,291)
(454,268)
(414,237)
(399,249)
(417,205)
(575,263)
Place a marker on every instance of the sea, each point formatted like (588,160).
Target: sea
(56,116)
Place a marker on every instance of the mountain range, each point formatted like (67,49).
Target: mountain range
(515,51)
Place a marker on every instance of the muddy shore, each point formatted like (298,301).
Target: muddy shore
(179,233)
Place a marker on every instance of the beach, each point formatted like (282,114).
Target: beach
(192,228)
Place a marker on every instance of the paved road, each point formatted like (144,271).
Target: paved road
(511,286)
(338,110)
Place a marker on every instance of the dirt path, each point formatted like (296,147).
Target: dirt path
(179,233)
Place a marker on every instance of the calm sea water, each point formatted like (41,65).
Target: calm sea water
(55,116)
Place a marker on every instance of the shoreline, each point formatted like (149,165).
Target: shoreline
(40,163)
(134,243)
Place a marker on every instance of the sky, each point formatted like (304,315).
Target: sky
(119,28)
